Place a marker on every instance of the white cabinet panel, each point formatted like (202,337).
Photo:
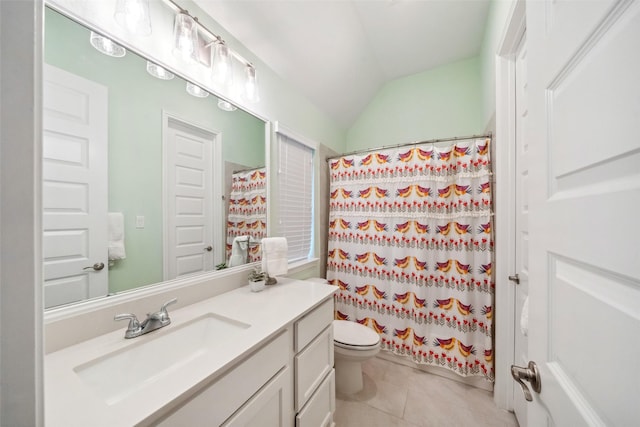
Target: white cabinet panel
(312,365)
(312,324)
(319,410)
(270,407)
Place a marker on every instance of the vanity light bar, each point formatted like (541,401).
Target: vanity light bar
(212,38)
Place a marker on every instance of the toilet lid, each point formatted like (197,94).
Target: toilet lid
(354,334)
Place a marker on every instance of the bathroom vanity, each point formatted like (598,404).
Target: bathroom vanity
(237,359)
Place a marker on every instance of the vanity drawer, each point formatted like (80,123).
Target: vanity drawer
(307,328)
(269,407)
(312,366)
(224,396)
(319,410)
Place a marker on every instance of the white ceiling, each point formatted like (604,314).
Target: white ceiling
(339,53)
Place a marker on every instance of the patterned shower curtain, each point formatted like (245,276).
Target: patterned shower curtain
(411,248)
(248,209)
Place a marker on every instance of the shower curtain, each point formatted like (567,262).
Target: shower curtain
(411,248)
(248,209)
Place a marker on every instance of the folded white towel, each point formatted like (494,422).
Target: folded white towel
(239,249)
(274,256)
(116,236)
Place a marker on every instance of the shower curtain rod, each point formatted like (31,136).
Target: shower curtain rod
(248,169)
(431,141)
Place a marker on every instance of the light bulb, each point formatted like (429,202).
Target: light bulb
(157,71)
(106,45)
(196,91)
(226,105)
(221,63)
(251,84)
(185,36)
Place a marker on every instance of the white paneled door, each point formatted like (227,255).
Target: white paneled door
(189,188)
(75,122)
(584,157)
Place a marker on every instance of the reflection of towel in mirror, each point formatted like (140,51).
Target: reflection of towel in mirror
(116,236)
(274,256)
(239,249)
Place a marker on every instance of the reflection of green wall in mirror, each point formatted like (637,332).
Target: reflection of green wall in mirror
(136,103)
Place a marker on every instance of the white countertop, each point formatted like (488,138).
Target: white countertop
(70,402)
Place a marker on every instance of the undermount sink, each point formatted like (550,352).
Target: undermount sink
(119,374)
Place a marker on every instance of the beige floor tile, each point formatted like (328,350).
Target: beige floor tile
(398,374)
(480,403)
(380,395)
(436,409)
(397,395)
(375,368)
(358,414)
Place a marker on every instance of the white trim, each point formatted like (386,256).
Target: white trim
(21,292)
(217,189)
(505,202)
(270,176)
(283,130)
(300,266)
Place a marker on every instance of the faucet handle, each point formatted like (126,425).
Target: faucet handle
(163,310)
(134,324)
(162,314)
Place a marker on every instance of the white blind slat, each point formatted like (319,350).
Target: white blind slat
(295,200)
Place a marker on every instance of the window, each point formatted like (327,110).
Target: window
(295,195)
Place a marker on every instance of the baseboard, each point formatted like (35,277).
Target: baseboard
(477,382)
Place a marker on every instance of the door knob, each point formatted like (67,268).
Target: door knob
(530,374)
(208,248)
(515,279)
(96,267)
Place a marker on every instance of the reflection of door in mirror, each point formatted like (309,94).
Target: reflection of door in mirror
(74,188)
(189,224)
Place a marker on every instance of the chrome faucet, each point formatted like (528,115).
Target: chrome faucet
(153,321)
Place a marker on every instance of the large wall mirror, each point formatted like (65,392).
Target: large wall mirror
(143,181)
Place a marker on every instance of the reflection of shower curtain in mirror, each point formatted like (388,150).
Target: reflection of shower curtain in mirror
(410,246)
(248,209)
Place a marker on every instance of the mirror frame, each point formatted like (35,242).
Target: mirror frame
(194,75)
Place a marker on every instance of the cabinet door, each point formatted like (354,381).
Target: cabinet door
(318,412)
(271,406)
(312,365)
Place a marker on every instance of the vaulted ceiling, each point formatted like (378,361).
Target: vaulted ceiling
(339,53)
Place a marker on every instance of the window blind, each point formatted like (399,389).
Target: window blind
(295,197)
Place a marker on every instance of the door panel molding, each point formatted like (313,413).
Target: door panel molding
(200,191)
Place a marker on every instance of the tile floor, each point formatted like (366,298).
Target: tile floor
(397,395)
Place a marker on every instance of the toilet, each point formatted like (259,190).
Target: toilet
(353,343)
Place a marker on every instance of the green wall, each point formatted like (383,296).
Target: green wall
(439,103)
(136,103)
